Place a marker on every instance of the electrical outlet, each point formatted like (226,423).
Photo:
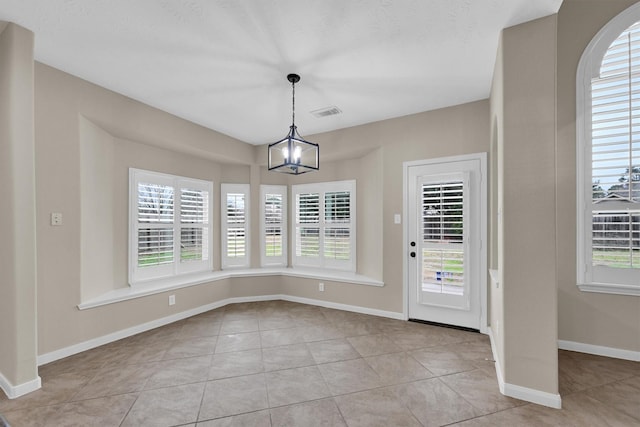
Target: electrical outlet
(56,218)
(172,299)
(321,287)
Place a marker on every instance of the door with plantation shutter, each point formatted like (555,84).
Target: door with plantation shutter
(444,242)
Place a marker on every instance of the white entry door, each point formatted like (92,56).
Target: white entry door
(445,229)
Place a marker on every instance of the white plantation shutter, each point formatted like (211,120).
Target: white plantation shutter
(155,203)
(325,225)
(169,225)
(155,246)
(235,225)
(308,227)
(337,218)
(443,263)
(194,226)
(155,209)
(273,242)
(236,222)
(442,212)
(609,159)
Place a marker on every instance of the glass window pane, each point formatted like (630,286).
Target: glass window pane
(337,243)
(236,242)
(308,208)
(194,206)
(442,218)
(155,246)
(155,203)
(273,208)
(337,207)
(616,239)
(194,244)
(307,242)
(235,208)
(443,271)
(273,241)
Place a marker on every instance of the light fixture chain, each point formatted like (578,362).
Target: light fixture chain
(293,103)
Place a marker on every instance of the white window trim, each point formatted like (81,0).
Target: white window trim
(273,261)
(136,276)
(588,67)
(235,262)
(321,262)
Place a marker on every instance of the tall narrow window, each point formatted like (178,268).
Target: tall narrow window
(235,225)
(194,220)
(325,225)
(273,227)
(608,148)
(169,222)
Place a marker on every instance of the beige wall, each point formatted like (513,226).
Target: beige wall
(597,319)
(98,270)
(82,172)
(525,135)
(17,192)
(496,191)
(529,267)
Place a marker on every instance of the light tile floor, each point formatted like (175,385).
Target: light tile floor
(284,364)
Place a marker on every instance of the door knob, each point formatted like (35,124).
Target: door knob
(413,243)
(413,254)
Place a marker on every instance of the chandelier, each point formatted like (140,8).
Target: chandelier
(292,154)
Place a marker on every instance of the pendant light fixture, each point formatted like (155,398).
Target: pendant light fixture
(292,154)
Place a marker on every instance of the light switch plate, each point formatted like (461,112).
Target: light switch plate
(397,219)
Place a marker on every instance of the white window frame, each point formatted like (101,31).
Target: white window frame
(233,261)
(265,260)
(138,275)
(322,262)
(599,278)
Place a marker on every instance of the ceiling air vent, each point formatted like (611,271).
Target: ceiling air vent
(327,111)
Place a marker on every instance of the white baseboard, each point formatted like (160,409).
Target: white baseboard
(13,391)
(345,307)
(124,333)
(43,359)
(523,393)
(616,353)
(494,351)
(534,396)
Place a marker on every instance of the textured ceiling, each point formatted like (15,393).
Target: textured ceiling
(222,63)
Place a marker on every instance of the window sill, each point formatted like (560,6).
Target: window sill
(163,285)
(608,288)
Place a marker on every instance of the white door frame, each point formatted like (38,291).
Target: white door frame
(483,231)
